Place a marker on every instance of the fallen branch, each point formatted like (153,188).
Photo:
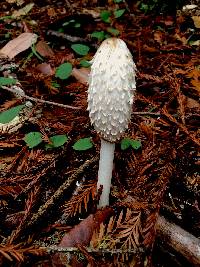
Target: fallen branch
(180,240)
(91,250)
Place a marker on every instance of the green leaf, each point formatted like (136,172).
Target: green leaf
(57,141)
(113,31)
(64,71)
(105,16)
(84,63)
(7,81)
(118,1)
(119,12)
(99,35)
(80,49)
(68,22)
(77,25)
(83,144)
(144,7)
(127,142)
(33,139)
(10,114)
(136,144)
(55,84)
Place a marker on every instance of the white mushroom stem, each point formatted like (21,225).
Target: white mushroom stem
(105,171)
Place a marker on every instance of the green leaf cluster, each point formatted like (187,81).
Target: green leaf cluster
(101,35)
(128,142)
(106,14)
(33,139)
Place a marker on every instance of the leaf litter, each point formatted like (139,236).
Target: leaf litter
(46,192)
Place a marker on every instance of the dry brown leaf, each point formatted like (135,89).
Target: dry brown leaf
(196,85)
(81,74)
(43,49)
(19,44)
(196,20)
(158,36)
(45,68)
(191,103)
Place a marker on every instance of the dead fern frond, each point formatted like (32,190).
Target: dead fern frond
(123,231)
(79,202)
(18,253)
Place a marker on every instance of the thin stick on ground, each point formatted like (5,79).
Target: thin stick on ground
(37,100)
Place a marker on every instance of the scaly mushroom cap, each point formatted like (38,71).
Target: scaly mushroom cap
(111,88)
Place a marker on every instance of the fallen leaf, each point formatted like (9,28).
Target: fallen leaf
(43,49)
(45,68)
(81,74)
(196,20)
(19,44)
(196,43)
(23,11)
(82,233)
(191,103)
(196,85)
(51,12)
(158,36)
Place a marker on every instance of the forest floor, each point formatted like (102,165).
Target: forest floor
(49,150)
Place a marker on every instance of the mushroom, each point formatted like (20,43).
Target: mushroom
(110,97)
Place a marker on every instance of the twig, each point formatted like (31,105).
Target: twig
(146,113)
(183,242)
(91,250)
(40,100)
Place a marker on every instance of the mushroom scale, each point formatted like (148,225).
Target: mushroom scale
(111,88)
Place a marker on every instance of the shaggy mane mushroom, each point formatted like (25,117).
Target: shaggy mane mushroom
(110,98)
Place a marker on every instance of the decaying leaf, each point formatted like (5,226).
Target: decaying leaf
(196,20)
(43,49)
(19,44)
(45,68)
(23,11)
(81,74)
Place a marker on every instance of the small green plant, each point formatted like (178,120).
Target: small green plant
(83,144)
(113,31)
(84,63)
(7,81)
(80,49)
(106,16)
(119,12)
(10,114)
(33,139)
(57,141)
(128,142)
(100,35)
(64,71)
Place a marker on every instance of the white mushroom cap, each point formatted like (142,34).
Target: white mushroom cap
(111,89)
